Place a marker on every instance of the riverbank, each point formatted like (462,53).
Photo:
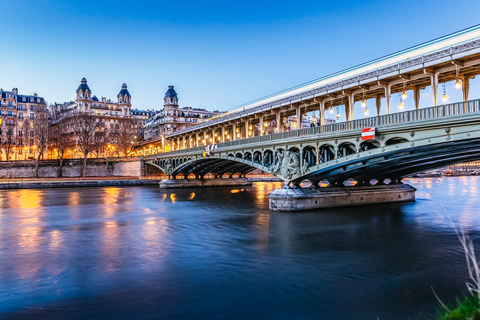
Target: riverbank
(41,183)
(31,183)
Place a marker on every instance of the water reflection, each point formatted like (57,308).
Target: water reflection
(117,252)
(111,244)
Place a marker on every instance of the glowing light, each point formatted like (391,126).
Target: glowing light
(401,105)
(444,97)
(330,110)
(338,115)
(404,95)
(364,103)
(458,84)
(366,111)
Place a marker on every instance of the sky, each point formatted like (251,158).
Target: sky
(217,54)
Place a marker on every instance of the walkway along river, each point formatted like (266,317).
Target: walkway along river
(147,253)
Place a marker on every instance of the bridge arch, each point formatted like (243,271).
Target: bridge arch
(326,153)
(310,155)
(346,148)
(369,145)
(257,157)
(395,140)
(268,158)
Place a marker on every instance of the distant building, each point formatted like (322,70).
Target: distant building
(173,118)
(112,115)
(17,112)
(140,118)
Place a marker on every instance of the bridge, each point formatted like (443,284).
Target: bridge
(405,142)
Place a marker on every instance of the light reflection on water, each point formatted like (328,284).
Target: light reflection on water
(141,252)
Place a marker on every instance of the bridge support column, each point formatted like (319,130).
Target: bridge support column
(321,114)
(234,131)
(262,126)
(465,87)
(299,117)
(222,139)
(298,199)
(388,93)
(378,103)
(434,85)
(416,97)
(351,105)
(279,122)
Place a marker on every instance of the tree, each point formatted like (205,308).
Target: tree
(125,135)
(60,140)
(8,139)
(40,128)
(84,128)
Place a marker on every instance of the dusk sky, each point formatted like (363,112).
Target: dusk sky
(217,54)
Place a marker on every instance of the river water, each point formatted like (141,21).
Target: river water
(146,253)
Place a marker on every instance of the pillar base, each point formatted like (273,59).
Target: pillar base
(329,197)
(197,183)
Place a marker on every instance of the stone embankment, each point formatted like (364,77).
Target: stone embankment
(72,168)
(74,182)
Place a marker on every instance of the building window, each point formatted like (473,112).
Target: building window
(20,150)
(31,115)
(20,142)
(20,116)
(20,133)
(10,113)
(32,134)
(31,108)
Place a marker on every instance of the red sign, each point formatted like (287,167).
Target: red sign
(368,133)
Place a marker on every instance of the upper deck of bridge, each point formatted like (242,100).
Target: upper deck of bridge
(444,59)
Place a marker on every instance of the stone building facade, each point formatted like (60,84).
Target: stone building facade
(113,117)
(17,115)
(173,118)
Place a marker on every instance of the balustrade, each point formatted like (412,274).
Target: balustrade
(451,109)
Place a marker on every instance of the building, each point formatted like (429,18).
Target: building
(140,118)
(17,115)
(113,117)
(173,118)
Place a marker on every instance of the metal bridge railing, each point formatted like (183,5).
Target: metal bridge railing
(394,118)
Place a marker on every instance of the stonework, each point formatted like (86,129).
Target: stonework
(72,168)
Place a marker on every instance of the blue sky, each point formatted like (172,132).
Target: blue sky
(217,54)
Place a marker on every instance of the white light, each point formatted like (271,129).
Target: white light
(404,95)
(458,84)
(401,105)
(444,97)
(364,103)
(331,110)
(338,115)
(366,111)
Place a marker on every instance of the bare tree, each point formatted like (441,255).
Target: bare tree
(125,136)
(8,139)
(40,128)
(61,139)
(84,127)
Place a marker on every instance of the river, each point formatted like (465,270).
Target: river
(218,253)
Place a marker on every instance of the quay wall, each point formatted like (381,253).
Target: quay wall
(73,168)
